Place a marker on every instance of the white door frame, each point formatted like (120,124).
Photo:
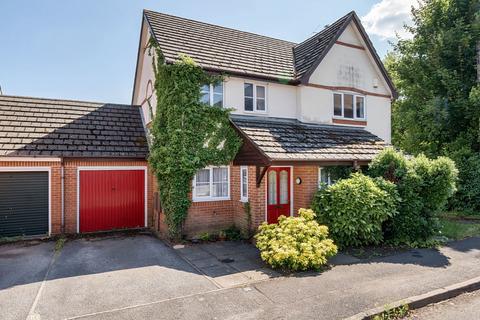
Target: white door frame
(291,190)
(36,169)
(111,168)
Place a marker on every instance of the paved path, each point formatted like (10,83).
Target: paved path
(141,278)
(464,307)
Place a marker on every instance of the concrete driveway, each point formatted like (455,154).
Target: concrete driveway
(139,277)
(90,276)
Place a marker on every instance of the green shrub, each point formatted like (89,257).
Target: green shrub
(233,233)
(354,209)
(295,243)
(424,186)
(467,197)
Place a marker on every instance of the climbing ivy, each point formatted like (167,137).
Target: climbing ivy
(187,135)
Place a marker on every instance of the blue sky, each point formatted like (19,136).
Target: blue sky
(86,49)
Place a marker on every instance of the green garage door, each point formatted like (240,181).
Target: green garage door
(23,203)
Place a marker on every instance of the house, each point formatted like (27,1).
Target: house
(298,107)
(71,166)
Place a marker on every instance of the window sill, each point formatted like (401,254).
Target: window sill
(244,200)
(354,122)
(206,199)
(255,112)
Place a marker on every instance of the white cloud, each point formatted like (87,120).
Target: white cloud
(387,18)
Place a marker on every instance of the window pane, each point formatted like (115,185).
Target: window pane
(218,100)
(244,187)
(360,107)
(205,94)
(284,187)
(348,106)
(202,183)
(220,182)
(272,187)
(261,92)
(260,104)
(248,90)
(218,88)
(337,104)
(248,104)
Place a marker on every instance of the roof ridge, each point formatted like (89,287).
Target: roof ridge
(62,100)
(219,26)
(325,28)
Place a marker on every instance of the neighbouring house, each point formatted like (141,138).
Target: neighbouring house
(71,166)
(298,107)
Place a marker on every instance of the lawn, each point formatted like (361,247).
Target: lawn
(459,225)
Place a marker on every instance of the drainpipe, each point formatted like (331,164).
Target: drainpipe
(62,195)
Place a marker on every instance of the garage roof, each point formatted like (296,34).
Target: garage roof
(64,128)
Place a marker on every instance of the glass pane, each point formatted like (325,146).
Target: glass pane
(202,183)
(244,190)
(205,94)
(248,87)
(248,104)
(260,104)
(220,182)
(348,106)
(218,100)
(261,92)
(218,88)
(360,107)
(283,187)
(272,187)
(337,104)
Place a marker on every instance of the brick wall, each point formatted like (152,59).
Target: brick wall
(303,193)
(70,187)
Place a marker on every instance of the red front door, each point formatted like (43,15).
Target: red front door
(111,199)
(278,193)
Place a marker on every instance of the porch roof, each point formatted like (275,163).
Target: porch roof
(284,140)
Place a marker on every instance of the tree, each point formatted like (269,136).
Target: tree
(438,112)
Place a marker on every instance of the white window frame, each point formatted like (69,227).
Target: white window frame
(243,197)
(354,106)
(196,198)
(211,93)
(329,181)
(255,110)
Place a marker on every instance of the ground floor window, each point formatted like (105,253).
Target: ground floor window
(212,183)
(323,178)
(244,184)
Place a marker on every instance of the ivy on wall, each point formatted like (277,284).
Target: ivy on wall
(187,135)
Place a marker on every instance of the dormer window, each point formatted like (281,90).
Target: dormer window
(212,94)
(255,97)
(348,106)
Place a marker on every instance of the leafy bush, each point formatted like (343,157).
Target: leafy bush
(424,186)
(354,209)
(233,233)
(295,243)
(467,197)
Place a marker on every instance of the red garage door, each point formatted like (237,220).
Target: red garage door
(111,199)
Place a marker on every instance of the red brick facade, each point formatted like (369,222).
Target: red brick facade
(213,216)
(70,167)
(207,216)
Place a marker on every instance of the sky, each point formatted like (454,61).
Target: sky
(87,49)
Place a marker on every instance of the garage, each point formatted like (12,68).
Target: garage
(111,198)
(24,203)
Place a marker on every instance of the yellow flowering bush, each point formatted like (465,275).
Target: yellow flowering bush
(295,243)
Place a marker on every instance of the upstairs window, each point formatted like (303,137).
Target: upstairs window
(348,106)
(212,94)
(255,97)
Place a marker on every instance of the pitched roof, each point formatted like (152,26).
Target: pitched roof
(63,128)
(218,48)
(222,49)
(292,140)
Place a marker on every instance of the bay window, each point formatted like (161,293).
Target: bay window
(348,106)
(212,183)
